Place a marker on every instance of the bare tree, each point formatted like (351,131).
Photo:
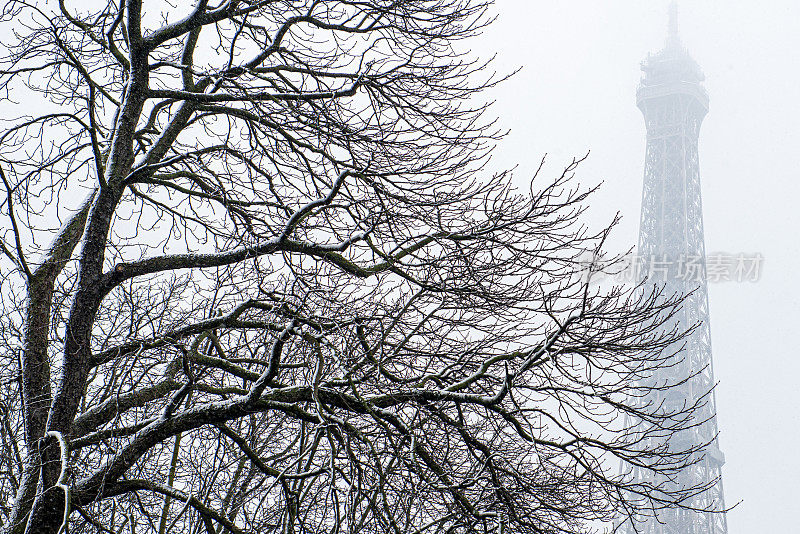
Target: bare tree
(284,296)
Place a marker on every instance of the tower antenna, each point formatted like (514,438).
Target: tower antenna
(673,39)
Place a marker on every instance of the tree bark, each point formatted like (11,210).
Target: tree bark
(36,395)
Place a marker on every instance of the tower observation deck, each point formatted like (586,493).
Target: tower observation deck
(671,248)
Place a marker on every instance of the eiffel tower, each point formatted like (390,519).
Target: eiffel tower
(674,103)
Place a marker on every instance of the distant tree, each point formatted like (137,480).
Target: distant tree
(283,295)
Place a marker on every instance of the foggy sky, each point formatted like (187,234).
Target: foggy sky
(576,93)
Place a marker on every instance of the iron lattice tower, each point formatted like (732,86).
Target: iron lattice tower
(674,103)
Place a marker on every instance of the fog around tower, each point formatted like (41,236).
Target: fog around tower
(576,93)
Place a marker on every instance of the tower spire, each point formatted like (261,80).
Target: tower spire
(673,38)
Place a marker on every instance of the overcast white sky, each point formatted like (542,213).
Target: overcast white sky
(576,93)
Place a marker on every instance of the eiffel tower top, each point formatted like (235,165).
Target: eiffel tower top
(671,70)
